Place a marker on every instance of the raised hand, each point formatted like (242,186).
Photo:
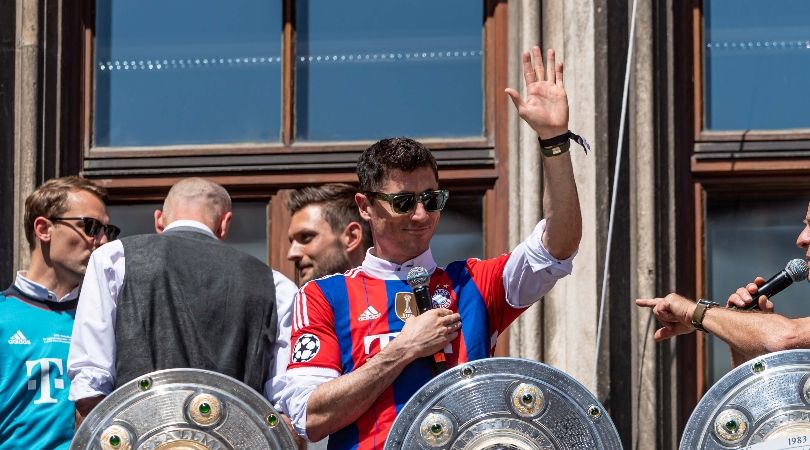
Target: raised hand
(545,108)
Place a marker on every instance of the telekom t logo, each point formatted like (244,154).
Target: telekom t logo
(45,378)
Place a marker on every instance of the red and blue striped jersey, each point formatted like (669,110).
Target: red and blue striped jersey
(343,320)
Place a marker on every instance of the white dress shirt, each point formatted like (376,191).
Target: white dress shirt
(91,361)
(530,272)
(39,291)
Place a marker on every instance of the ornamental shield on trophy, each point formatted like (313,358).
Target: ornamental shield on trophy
(183,409)
(761,405)
(503,403)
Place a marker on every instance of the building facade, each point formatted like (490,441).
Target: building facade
(269,96)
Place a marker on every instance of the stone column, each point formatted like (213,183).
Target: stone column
(26,118)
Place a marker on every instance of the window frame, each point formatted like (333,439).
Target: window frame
(288,153)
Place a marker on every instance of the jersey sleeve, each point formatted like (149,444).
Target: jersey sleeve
(487,275)
(313,340)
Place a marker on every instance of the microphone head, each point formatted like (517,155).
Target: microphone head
(418,277)
(796,269)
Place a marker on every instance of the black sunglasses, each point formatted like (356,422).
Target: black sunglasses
(405,202)
(93,227)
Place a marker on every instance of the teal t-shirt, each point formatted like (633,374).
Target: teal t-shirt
(35,412)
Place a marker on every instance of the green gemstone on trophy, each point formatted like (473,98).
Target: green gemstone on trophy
(467,371)
(205,409)
(527,399)
(145,383)
(272,420)
(594,411)
(115,440)
(758,367)
(436,428)
(731,426)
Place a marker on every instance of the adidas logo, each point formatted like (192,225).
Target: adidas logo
(369,314)
(19,339)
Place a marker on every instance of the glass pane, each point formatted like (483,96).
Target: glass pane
(187,72)
(248,228)
(368,69)
(756,61)
(749,237)
(460,234)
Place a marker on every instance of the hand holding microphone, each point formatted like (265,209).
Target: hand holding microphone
(795,270)
(418,279)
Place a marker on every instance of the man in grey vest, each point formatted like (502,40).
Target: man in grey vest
(179,298)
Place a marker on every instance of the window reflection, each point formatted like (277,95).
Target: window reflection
(756,60)
(367,69)
(187,72)
(460,234)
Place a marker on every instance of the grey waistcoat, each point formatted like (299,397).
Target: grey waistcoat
(190,301)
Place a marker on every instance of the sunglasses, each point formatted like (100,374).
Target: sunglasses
(93,227)
(405,202)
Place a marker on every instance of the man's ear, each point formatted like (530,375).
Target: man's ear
(224,225)
(352,237)
(42,229)
(363,204)
(160,224)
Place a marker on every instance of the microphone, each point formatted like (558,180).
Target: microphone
(418,279)
(795,270)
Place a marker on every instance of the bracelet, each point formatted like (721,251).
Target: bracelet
(558,145)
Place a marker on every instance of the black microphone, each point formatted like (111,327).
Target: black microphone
(418,279)
(795,270)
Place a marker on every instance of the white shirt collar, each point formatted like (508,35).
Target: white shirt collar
(39,291)
(193,224)
(386,270)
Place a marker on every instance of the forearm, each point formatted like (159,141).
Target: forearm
(751,334)
(561,207)
(340,402)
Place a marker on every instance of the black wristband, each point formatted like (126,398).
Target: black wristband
(556,150)
(557,142)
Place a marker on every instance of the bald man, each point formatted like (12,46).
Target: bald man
(180,298)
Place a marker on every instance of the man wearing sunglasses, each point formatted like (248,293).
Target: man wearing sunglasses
(359,351)
(179,298)
(65,220)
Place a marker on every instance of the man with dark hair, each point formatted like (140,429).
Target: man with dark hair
(359,351)
(65,220)
(179,298)
(326,232)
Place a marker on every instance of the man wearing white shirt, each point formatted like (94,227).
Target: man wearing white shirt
(180,298)
(65,220)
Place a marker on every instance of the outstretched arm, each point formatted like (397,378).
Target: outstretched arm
(545,109)
(749,334)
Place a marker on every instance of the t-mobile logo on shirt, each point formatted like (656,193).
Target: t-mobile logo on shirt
(44,365)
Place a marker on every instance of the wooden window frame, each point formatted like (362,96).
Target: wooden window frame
(713,146)
(288,154)
(713,162)
(265,171)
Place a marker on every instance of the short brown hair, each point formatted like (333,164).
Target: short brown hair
(339,206)
(388,154)
(50,199)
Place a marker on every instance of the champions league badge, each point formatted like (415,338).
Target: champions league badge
(305,348)
(186,409)
(763,404)
(503,404)
(441,298)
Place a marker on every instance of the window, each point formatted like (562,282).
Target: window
(756,57)
(749,236)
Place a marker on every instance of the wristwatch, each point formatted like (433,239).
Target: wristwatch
(700,311)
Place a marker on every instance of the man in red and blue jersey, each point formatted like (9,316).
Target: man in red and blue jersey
(359,349)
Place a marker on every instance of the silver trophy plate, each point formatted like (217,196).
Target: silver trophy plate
(503,404)
(762,404)
(186,409)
